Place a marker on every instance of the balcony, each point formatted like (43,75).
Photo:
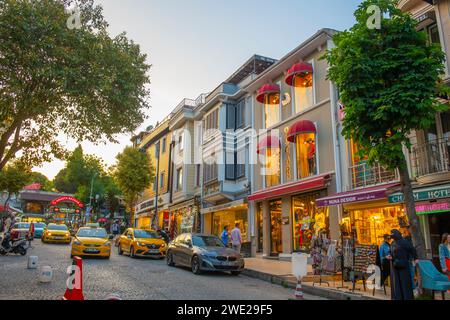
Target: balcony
(363,175)
(431,161)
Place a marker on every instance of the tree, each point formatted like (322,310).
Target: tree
(133,174)
(57,80)
(387,79)
(13,178)
(37,177)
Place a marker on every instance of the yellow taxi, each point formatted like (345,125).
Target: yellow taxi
(142,243)
(91,242)
(56,233)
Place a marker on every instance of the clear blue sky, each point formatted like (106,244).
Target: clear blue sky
(194,45)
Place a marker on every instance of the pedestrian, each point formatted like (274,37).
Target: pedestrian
(7,223)
(412,266)
(444,254)
(115,229)
(236,238)
(385,251)
(401,253)
(224,236)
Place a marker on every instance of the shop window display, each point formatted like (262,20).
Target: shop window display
(308,220)
(272,109)
(306,155)
(230,218)
(371,224)
(276,234)
(272,167)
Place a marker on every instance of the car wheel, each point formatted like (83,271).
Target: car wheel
(119,250)
(22,251)
(132,252)
(195,265)
(169,259)
(235,273)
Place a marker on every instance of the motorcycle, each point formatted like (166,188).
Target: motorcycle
(8,246)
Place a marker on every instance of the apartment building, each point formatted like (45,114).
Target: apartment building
(430,154)
(152,208)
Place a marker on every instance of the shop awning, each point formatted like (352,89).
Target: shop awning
(266,90)
(315,183)
(360,195)
(303,68)
(302,126)
(268,142)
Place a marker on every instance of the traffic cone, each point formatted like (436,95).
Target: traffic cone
(77,292)
(298,290)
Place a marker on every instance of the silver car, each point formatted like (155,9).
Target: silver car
(203,253)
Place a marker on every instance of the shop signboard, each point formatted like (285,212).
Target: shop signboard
(432,208)
(423,194)
(351,198)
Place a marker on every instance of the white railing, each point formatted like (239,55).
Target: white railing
(363,175)
(432,157)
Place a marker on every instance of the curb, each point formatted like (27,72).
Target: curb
(332,294)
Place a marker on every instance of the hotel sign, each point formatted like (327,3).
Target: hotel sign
(423,195)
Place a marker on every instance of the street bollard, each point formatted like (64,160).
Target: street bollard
(46,274)
(74,283)
(32,262)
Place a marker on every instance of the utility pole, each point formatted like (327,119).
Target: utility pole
(90,196)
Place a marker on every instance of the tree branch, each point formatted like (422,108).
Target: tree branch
(14,147)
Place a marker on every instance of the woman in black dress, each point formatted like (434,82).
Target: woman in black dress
(401,253)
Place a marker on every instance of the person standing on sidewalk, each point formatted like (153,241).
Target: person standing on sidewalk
(385,251)
(444,254)
(236,238)
(224,236)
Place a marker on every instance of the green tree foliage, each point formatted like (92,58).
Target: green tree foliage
(14,177)
(57,80)
(46,184)
(388,79)
(133,174)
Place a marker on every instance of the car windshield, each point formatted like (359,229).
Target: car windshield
(207,241)
(92,233)
(39,225)
(145,234)
(61,227)
(22,226)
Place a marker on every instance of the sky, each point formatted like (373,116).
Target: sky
(194,45)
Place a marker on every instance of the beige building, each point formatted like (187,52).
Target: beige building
(294,115)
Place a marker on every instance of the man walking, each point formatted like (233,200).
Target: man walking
(236,238)
(224,236)
(115,228)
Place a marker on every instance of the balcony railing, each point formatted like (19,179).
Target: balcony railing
(432,157)
(363,175)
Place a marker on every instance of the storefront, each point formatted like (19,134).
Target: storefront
(433,209)
(217,217)
(184,218)
(367,214)
(287,217)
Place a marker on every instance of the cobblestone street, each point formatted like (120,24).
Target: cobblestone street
(131,279)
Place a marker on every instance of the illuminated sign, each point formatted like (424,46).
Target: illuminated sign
(67,199)
(423,195)
(430,208)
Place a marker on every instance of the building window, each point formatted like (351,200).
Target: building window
(180,142)
(240,114)
(306,155)
(161,179)
(164,141)
(272,109)
(212,120)
(210,169)
(272,167)
(303,91)
(197,175)
(155,183)
(179,179)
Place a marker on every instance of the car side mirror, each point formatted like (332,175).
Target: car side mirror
(189,243)
(111,237)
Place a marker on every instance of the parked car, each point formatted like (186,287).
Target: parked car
(93,242)
(39,228)
(203,253)
(56,233)
(142,242)
(20,231)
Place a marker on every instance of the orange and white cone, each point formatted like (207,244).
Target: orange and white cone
(298,294)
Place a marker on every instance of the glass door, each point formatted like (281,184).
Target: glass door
(276,234)
(259,217)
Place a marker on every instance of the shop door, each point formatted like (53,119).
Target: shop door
(276,235)
(259,215)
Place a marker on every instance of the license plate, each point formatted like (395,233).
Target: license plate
(153,251)
(58,238)
(91,250)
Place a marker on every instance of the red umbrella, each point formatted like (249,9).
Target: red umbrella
(102,220)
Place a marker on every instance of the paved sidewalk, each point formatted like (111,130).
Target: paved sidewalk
(280,272)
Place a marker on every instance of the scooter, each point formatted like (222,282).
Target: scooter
(8,246)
